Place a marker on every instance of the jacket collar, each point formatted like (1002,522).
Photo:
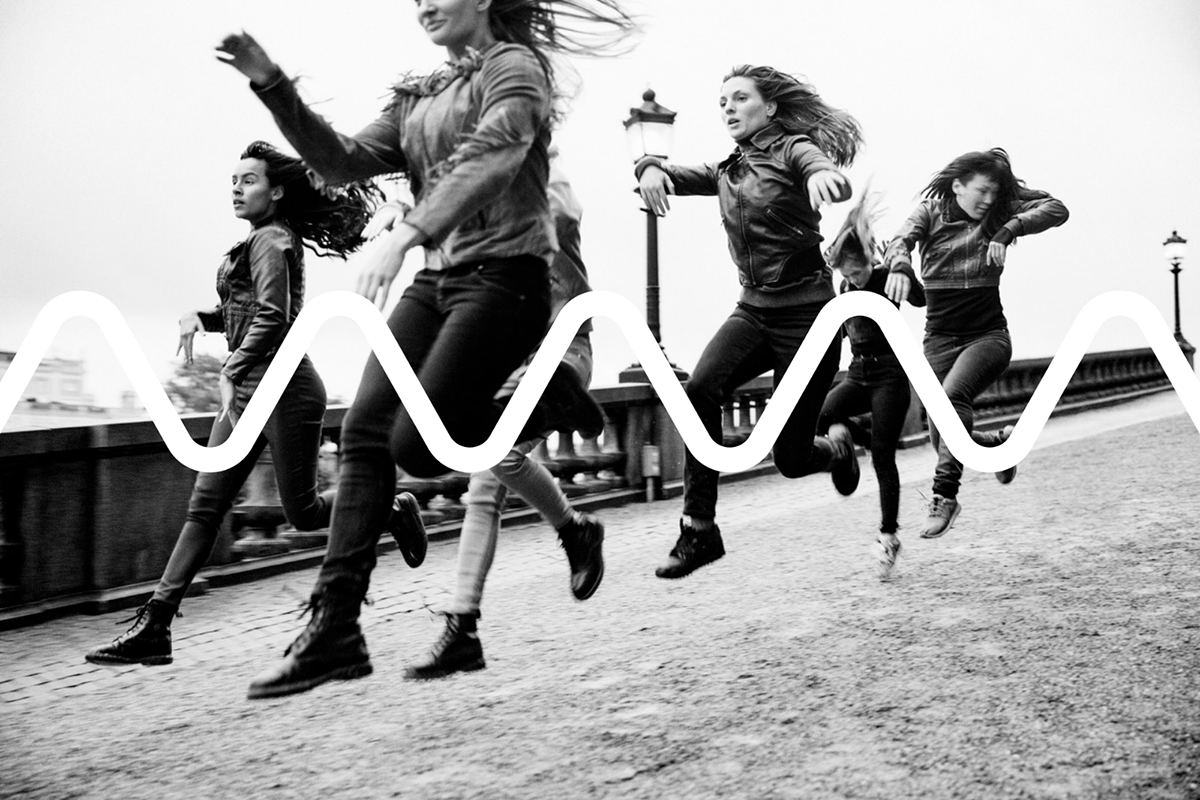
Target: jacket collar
(762,139)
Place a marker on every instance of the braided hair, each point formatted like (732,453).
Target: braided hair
(329,220)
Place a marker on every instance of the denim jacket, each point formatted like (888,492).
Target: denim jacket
(954,251)
(766,213)
(261,286)
(472,139)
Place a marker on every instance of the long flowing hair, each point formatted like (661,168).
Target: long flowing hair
(993,164)
(801,110)
(329,220)
(563,27)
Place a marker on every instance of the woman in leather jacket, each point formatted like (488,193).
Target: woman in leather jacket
(974,208)
(261,287)
(789,147)
(472,139)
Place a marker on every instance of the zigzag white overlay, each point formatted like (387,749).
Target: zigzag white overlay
(633,326)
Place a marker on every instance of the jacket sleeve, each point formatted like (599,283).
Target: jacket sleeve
(697,180)
(271,249)
(375,150)
(898,255)
(916,291)
(212,320)
(1033,216)
(514,110)
(805,159)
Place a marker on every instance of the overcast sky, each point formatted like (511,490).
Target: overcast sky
(120,129)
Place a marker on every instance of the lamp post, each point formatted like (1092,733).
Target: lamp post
(649,132)
(1174,250)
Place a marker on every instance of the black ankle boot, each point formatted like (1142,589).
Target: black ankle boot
(147,642)
(332,647)
(583,540)
(458,650)
(692,550)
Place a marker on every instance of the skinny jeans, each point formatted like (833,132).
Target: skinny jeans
(752,341)
(488,490)
(294,433)
(965,366)
(878,385)
(463,330)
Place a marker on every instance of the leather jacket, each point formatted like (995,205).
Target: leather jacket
(954,250)
(766,212)
(472,138)
(261,286)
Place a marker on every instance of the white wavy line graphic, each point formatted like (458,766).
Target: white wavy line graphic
(621,311)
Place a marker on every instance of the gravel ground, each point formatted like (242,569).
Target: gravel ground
(1045,648)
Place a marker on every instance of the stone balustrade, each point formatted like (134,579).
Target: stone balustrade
(85,511)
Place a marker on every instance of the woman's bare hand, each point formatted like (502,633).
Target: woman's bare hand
(654,187)
(240,51)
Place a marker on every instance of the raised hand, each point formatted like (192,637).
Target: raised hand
(240,51)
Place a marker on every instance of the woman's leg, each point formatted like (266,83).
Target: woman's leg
(477,541)
(965,368)
(798,450)
(213,495)
(493,318)
(733,356)
(294,432)
(890,398)
(367,473)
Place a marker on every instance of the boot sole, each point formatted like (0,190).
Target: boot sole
(595,585)
(150,661)
(669,575)
(432,675)
(346,673)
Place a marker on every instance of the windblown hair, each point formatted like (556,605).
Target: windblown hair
(330,220)
(563,27)
(993,164)
(800,110)
(856,239)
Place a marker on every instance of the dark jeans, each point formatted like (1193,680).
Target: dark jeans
(966,366)
(463,330)
(752,341)
(878,385)
(294,432)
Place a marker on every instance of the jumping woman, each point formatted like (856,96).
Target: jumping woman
(472,138)
(974,208)
(261,287)
(790,144)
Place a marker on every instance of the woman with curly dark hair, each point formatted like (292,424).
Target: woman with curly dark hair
(974,208)
(261,286)
(472,138)
(790,144)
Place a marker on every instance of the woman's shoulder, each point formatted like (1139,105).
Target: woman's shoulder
(275,235)
(509,56)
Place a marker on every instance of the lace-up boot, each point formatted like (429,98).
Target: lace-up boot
(332,647)
(148,641)
(692,550)
(583,540)
(459,650)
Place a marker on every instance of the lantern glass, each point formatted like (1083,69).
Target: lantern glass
(650,139)
(1174,250)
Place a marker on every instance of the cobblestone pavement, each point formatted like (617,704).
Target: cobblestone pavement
(1045,647)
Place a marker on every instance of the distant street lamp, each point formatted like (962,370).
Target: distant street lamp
(1174,250)
(649,131)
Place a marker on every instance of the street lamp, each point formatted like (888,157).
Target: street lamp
(1174,250)
(649,131)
